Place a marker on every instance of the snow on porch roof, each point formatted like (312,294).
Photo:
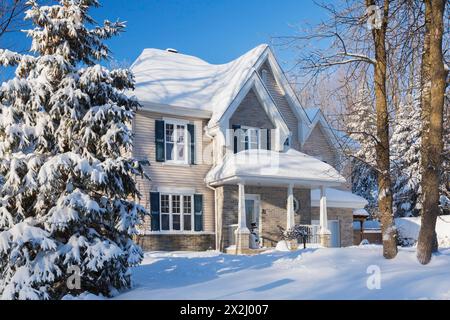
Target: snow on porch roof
(178,80)
(267,167)
(338,199)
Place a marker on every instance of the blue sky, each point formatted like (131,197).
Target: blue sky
(215,30)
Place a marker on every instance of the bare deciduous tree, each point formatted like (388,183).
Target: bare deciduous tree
(434,81)
(11,15)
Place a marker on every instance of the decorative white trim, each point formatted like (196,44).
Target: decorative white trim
(274,181)
(175,110)
(176,190)
(268,104)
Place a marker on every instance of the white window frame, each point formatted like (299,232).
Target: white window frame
(175,123)
(182,213)
(245,134)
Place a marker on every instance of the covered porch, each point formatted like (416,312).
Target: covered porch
(258,191)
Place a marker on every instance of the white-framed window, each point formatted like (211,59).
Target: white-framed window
(176,212)
(176,141)
(250,138)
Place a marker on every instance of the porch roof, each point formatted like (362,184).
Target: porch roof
(270,168)
(338,199)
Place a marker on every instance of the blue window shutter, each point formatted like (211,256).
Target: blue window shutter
(235,140)
(159,140)
(268,139)
(154,211)
(191,131)
(198,212)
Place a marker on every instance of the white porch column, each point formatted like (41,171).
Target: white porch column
(290,208)
(325,234)
(242,232)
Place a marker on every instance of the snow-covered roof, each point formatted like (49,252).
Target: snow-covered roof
(270,167)
(338,199)
(179,80)
(360,212)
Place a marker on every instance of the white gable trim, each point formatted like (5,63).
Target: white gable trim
(291,97)
(269,106)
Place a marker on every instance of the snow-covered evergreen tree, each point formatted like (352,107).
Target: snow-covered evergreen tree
(66,201)
(361,127)
(405,158)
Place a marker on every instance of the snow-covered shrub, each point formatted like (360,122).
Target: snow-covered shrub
(298,232)
(68,182)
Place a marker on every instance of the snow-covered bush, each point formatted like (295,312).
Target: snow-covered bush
(298,232)
(66,199)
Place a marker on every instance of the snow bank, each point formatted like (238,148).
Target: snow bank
(409,228)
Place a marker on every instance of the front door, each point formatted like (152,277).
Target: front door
(252,209)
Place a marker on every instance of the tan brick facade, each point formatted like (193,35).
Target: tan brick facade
(176,242)
(251,113)
(273,211)
(345,218)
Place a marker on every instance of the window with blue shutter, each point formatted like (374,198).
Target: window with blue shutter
(198,212)
(159,140)
(191,131)
(154,211)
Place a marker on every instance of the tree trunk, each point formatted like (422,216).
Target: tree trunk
(382,148)
(433,89)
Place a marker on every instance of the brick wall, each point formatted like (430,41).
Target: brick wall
(273,210)
(345,217)
(317,145)
(251,113)
(176,242)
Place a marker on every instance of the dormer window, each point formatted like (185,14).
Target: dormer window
(250,138)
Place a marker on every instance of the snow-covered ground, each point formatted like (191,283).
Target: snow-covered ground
(340,273)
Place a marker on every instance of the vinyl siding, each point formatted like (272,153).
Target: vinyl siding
(171,175)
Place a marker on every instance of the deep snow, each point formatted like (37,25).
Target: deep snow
(338,273)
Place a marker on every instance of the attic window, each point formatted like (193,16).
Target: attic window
(264,75)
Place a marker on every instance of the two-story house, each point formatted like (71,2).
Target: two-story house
(233,155)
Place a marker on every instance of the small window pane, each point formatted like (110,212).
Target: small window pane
(180,151)
(176,204)
(169,132)
(164,203)
(169,151)
(176,225)
(180,133)
(187,222)
(187,207)
(165,222)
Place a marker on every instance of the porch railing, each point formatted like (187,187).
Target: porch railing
(312,237)
(312,231)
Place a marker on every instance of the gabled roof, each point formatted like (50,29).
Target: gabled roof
(177,80)
(316,117)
